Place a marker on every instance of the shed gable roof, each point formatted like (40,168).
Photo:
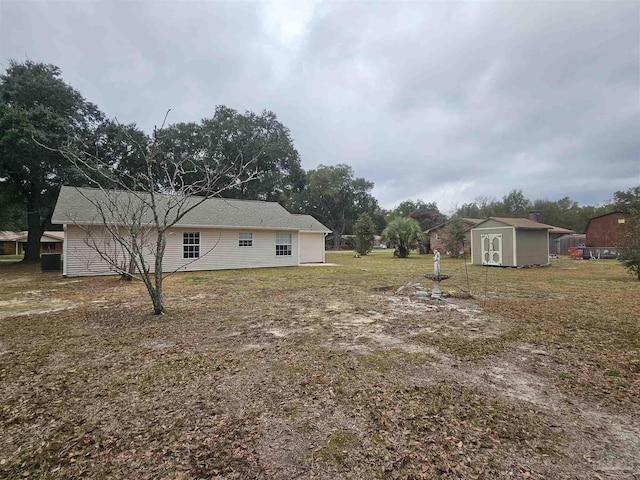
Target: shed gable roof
(78,205)
(521,223)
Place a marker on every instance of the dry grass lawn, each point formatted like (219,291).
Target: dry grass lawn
(323,373)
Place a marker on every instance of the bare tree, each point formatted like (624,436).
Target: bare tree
(134,209)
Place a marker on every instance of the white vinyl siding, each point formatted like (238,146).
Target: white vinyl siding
(218,251)
(284,245)
(311,247)
(245,239)
(80,259)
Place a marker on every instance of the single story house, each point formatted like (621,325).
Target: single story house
(438,234)
(14,243)
(510,242)
(216,235)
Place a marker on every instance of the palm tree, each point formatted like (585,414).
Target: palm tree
(404,233)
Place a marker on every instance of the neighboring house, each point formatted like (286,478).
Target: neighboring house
(218,234)
(606,230)
(510,242)
(14,243)
(438,235)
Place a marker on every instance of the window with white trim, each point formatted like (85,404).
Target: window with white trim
(245,239)
(283,244)
(191,245)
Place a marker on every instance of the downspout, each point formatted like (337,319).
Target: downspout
(298,233)
(471,231)
(65,245)
(324,247)
(515,250)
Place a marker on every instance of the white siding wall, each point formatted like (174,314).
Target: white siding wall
(81,259)
(219,250)
(311,247)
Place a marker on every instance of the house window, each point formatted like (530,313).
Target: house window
(191,245)
(621,220)
(283,244)
(245,239)
(48,247)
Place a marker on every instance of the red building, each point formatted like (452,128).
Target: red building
(606,230)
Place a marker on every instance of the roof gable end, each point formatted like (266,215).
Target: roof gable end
(519,223)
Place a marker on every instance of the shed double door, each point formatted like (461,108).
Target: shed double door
(491,248)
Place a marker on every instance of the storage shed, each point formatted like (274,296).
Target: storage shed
(510,242)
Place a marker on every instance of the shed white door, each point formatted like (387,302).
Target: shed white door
(491,248)
(311,247)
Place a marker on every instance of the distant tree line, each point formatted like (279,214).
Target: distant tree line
(41,117)
(564,213)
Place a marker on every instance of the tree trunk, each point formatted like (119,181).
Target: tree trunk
(32,250)
(131,270)
(337,240)
(403,251)
(158,302)
(337,236)
(156,298)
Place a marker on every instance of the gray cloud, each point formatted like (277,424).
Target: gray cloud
(440,101)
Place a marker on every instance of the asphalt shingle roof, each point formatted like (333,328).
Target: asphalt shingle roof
(520,223)
(78,205)
(48,236)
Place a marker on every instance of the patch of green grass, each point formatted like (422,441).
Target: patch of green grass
(464,347)
(386,360)
(337,446)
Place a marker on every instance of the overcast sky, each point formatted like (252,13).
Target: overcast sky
(441,101)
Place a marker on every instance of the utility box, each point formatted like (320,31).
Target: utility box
(51,262)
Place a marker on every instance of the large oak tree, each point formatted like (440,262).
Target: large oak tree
(335,197)
(230,137)
(38,108)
